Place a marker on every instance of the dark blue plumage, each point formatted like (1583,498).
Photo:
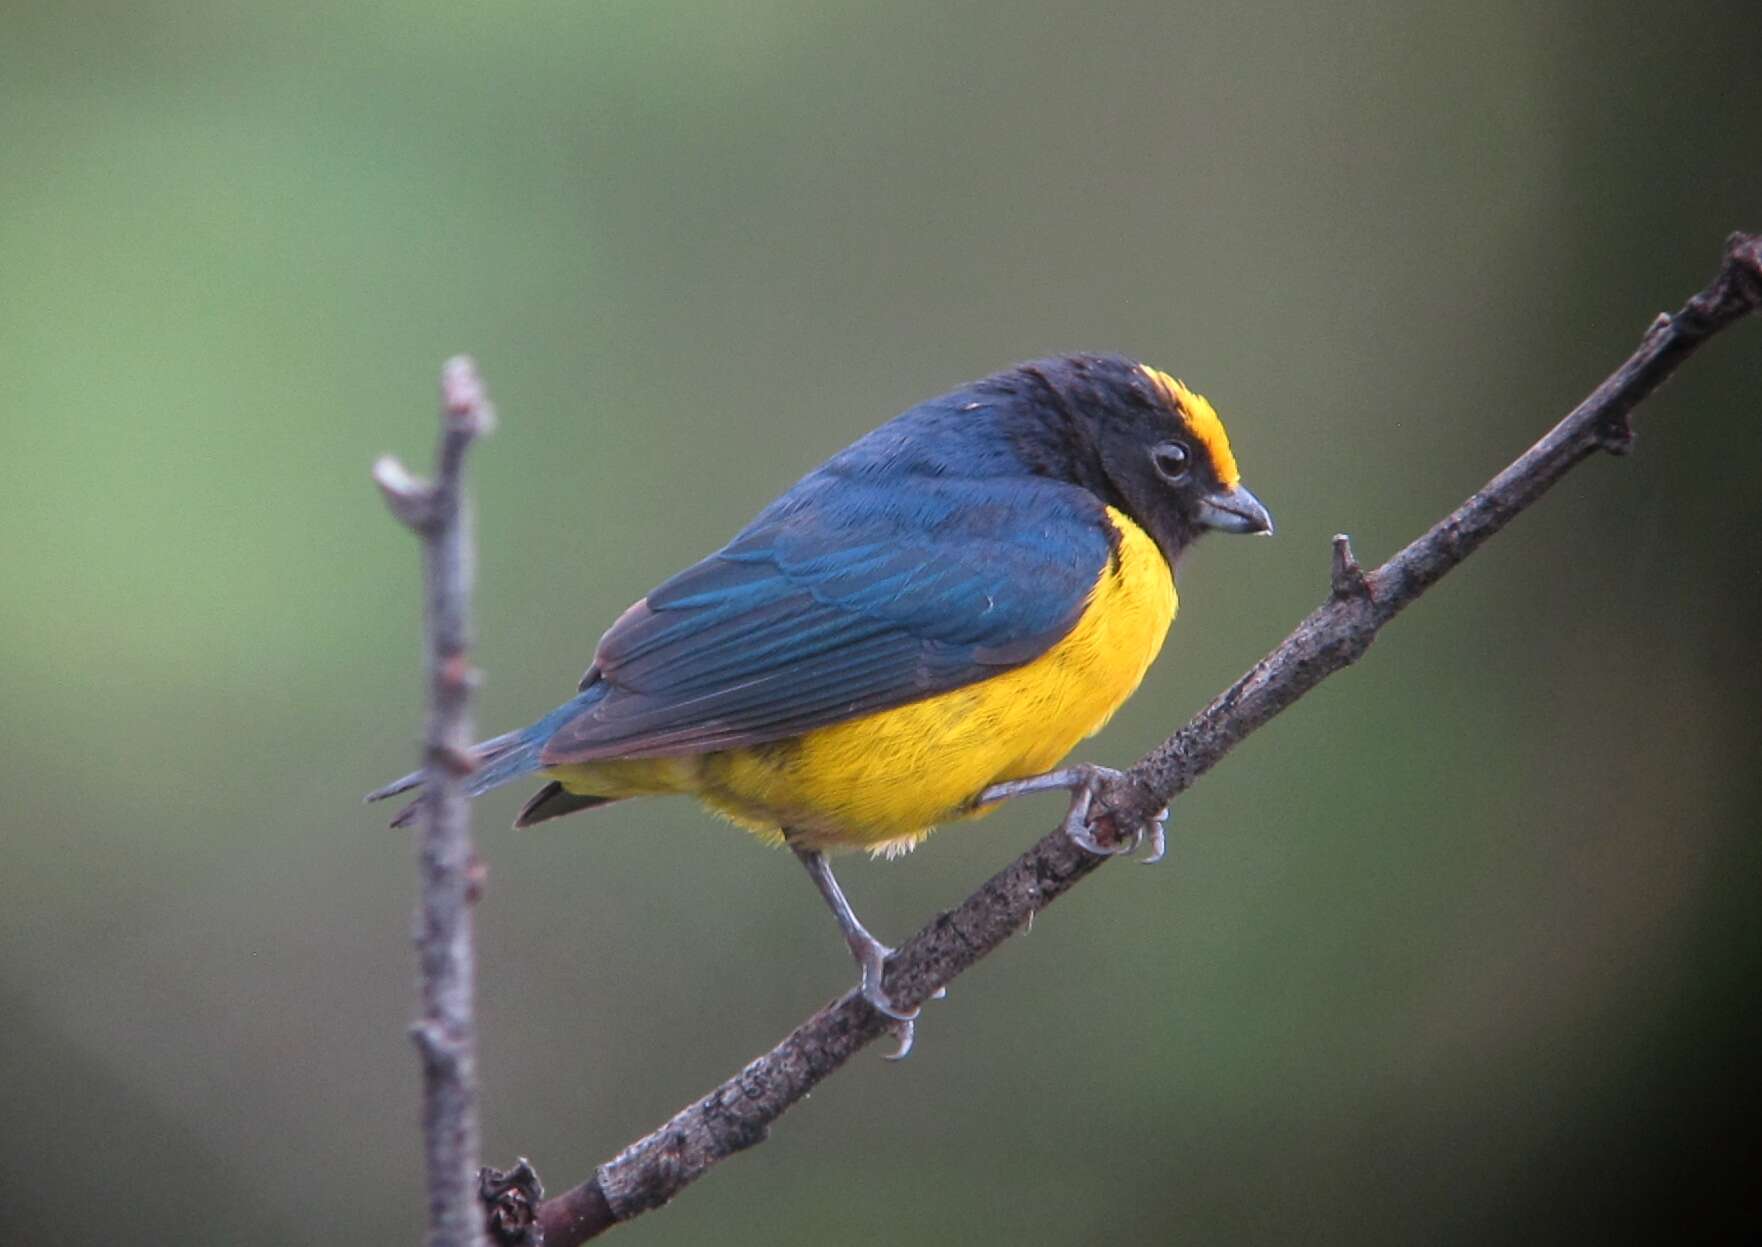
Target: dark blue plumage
(921,558)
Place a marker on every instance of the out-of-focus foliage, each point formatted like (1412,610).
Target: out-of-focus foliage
(1463,948)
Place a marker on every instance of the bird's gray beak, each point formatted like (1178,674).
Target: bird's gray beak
(1234,511)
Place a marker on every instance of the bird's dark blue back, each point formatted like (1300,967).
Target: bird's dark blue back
(926,555)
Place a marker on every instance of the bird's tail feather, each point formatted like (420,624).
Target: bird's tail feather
(500,760)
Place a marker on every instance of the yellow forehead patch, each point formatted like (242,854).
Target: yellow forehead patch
(1202,423)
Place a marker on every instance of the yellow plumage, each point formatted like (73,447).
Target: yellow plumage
(882,782)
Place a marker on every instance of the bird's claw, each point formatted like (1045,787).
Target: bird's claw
(873,958)
(901,1023)
(903,1033)
(1076,826)
(1084,781)
(1159,838)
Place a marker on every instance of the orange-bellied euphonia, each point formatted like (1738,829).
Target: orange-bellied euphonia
(921,626)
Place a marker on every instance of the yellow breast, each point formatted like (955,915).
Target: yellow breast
(883,781)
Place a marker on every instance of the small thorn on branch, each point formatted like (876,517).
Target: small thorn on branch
(1662,326)
(459,674)
(410,497)
(1615,436)
(1348,579)
(437,1049)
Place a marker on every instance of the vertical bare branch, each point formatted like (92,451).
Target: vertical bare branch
(445,1033)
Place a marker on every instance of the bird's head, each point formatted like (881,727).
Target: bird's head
(1146,444)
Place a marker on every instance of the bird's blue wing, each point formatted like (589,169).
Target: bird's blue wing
(843,598)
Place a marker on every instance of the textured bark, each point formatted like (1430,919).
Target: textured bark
(739,1113)
(445,1033)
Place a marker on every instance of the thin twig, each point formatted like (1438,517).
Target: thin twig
(739,1113)
(445,1034)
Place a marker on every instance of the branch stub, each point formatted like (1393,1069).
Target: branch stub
(510,1204)
(1347,578)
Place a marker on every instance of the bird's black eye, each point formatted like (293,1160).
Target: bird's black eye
(1171,460)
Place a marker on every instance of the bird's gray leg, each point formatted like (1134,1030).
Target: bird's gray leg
(1082,782)
(870,953)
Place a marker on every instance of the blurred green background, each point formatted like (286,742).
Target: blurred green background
(1466,947)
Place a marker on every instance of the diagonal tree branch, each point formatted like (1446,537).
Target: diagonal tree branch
(445,1034)
(739,1113)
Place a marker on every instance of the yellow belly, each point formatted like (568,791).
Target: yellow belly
(883,781)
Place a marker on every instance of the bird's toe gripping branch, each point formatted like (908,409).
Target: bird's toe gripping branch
(1088,785)
(871,957)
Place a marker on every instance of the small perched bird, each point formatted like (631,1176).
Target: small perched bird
(920,627)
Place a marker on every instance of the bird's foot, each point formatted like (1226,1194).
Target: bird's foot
(1087,782)
(871,954)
